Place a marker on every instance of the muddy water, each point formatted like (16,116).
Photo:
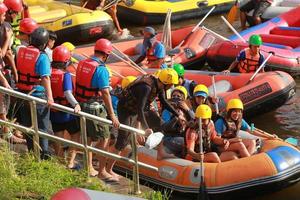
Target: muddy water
(283,121)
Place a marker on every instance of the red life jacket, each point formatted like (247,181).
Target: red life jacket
(84,75)
(26,60)
(57,81)
(250,64)
(150,52)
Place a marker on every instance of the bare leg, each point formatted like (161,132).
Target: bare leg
(239,148)
(111,162)
(76,138)
(211,157)
(93,172)
(250,145)
(228,155)
(113,13)
(57,146)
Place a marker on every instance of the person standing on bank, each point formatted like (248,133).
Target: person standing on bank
(135,101)
(92,91)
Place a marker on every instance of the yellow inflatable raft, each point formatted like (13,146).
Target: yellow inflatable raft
(70,22)
(154,12)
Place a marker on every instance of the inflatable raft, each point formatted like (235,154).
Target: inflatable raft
(266,92)
(71,23)
(154,12)
(276,166)
(280,35)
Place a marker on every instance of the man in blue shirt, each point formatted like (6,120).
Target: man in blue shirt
(34,77)
(92,80)
(152,49)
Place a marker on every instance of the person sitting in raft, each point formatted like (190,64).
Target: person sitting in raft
(173,128)
(259,7)
(250,58)
(200,96)
(188,84)
(229,126)
(152,49)
(209,137)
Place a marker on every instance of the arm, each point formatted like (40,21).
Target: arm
(7,42)
(11,62)
(232,66)
(108,104)
(3,80)
(165,104)
(70,98)
(190,144)
(47,85)
(140,59)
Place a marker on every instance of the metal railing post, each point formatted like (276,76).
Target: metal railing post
(136,181)
(86,156)
(34,122)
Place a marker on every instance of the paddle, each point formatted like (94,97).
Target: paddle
(232,13)
(195,28)
(202,195)
(215,94)
(260,67)
(233,29)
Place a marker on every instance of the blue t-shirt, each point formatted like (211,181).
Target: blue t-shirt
(115,101)
(159,50)
(100,78)
(221,127)
(166,115)
(42,68)
(62,117)
(242,56)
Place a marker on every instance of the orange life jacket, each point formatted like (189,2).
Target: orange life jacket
(150,52)
(84,75)
(232,128)
(26,60)
(250,64)
(57,81)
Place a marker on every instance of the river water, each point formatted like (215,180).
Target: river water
(283,121)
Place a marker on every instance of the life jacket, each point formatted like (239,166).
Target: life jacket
(129,99)
(26,60)
(150,52)
(231,128)
(84,75)
(206,136)
(250,64)
(57,81)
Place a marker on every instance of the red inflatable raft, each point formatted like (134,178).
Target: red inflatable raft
(280,35)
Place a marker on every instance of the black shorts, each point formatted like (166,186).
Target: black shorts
(259,7)
(72,126)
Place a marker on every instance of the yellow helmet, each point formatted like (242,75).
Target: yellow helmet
(156,73)
(234,104)
(200,89)
(168,76)
(127,80)
(203,111)
(182,90)
(69,46)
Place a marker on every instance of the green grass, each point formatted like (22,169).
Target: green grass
(21,177)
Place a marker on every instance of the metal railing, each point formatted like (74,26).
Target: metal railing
(86,149)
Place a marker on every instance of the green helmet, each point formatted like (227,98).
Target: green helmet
(255,40)
(179,69)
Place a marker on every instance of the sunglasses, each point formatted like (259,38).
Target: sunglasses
(176,96)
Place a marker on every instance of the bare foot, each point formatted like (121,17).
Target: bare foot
(93,172)
(113,174)
(107,177)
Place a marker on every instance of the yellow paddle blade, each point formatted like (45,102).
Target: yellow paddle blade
(232,14)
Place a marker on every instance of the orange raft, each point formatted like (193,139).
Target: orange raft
(266,92)
(276,166)
(191,52)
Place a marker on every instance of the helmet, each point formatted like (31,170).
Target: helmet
(150,30)
(109,72)
(28,25)
(14,5)
(69,46)
(234,104)
(127,80)
(182,90)
(52,35)
(39,38)
(203,111)
(104,46)
(200,90)
(168,76)
(3,8)
(179,69)
(156,73)
(61,54)
(255,40)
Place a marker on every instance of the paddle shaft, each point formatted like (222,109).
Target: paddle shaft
(196,27)
(233,29)
(260,67)
(215,94)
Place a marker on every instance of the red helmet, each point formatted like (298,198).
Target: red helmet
(61,54)
(104,46)
(28,25)
(3,8)
(15,5)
